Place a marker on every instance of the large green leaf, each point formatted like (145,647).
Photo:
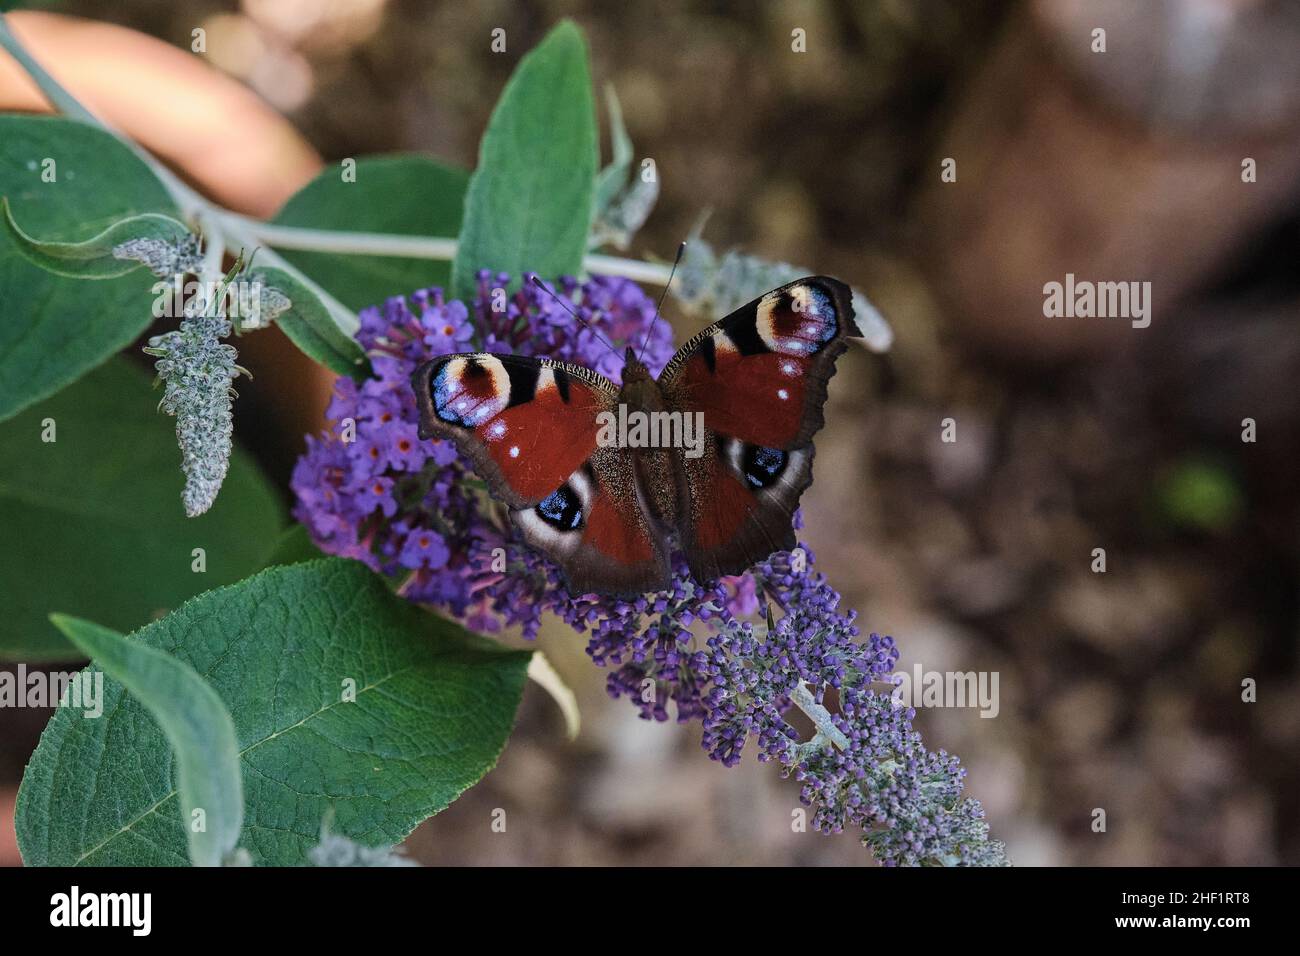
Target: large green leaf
(53,329)
(196,724)
(92,522)
(433,707)
(529,204)
(400,194)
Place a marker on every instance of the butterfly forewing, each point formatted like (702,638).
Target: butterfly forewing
(527,424)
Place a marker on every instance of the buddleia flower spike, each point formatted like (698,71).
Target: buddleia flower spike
(196,368)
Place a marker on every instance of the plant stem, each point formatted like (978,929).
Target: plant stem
(213,255)
(413,247)
(356,243)
(819,715)
(655,273)
(59,98)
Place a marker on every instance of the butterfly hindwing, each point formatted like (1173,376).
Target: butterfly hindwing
(596,529)
(529,426)
(738,504)
(759,378)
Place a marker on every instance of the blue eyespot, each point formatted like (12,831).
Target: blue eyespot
(465,392)
(442,389)
(821,309)
(561,509)
(762,466)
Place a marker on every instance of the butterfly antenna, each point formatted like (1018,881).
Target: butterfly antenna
(663,295)
(537,281)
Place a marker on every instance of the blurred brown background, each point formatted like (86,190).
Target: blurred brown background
(1120,690)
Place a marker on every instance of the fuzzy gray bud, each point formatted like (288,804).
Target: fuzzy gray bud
(196,368)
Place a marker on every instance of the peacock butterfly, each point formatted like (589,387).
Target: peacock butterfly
(711,457)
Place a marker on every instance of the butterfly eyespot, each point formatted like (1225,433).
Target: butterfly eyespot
(798,322)
(467,391)
(762,466)
(561,509)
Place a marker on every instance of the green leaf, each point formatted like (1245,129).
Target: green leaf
(197,726)
(623,201)
(529,205)
(399,194)
(308,324)
(613,179)
(90,521)
(53,330)
(94,258)
(433,707)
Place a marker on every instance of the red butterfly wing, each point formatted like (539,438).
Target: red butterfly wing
(759,379)
(529,426)
(595,527)
(760,374)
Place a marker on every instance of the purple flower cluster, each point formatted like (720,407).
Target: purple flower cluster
(755,670)
(865,765)
(907,799)
(738,654)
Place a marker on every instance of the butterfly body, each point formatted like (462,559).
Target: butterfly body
(710,458)
(654,468)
